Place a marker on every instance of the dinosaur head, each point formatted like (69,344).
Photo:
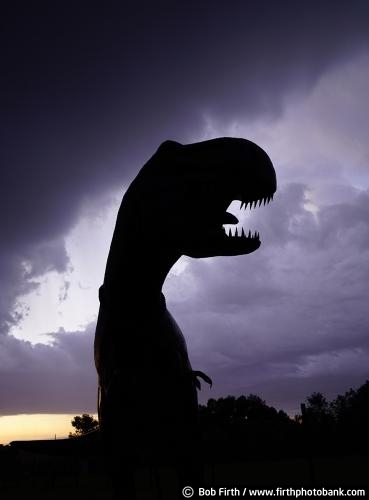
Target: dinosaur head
(182,193)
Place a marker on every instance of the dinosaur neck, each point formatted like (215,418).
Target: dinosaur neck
(135,274)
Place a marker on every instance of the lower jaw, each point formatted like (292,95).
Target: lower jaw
(225,248)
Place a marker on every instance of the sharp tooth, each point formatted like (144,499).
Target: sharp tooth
(241,205)
(249,235)
(243,233)
(272,196)
(260,202)
(236,233)
(230,233)
(264,200)
(255,203)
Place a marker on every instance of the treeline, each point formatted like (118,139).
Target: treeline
(350,410)
(245,426)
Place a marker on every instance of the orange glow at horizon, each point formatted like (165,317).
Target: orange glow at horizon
(35,426)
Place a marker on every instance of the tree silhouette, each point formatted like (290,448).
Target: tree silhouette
(244,408)
(318,410)
(83,424)
(341,407)
(244,426)
(353,407)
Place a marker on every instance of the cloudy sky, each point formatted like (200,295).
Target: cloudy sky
(88,94)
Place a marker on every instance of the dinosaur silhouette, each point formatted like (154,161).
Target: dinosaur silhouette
(176,205)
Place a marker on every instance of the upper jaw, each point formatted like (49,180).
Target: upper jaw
(251,203)
(254,202)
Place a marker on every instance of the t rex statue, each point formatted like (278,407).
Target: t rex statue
(176,205)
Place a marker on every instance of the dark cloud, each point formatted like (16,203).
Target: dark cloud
(290,313)
(57,378)
(90,93)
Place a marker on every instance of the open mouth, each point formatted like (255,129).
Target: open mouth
(242,240)
(219,236)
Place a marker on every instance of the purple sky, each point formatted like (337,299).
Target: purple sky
(88,94)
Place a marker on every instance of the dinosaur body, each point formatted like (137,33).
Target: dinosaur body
(147,383)
(175,206)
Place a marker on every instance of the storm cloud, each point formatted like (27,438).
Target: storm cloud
(48,378)
(88,95)
(292,313)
